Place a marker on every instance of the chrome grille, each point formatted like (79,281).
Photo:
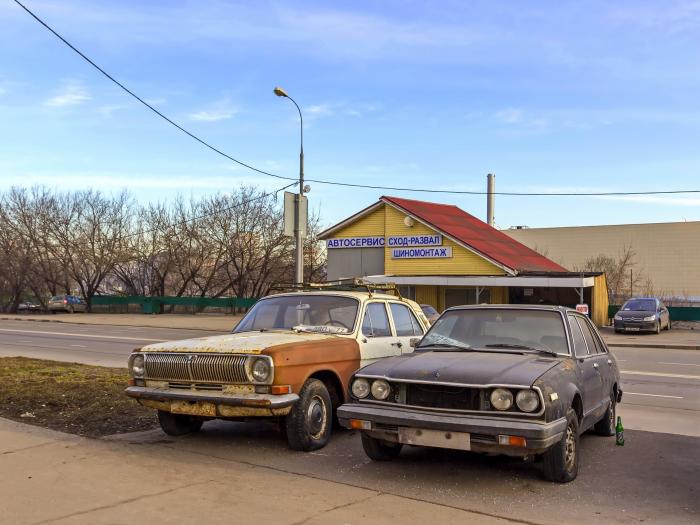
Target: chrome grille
(196,368)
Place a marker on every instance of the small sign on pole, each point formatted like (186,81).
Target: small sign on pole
(290,212)
(582,308)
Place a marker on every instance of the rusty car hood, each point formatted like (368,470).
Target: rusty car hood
(237,343)
(477,368)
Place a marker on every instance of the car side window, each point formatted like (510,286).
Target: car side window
(376,321)
(588,336)
(600,347)
(580,349)
(404,321)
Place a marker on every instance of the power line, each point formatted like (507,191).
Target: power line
(321,181)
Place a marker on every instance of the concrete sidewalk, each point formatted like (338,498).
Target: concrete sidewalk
(49,477)
(680,338)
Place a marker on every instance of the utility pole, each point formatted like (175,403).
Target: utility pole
(631,285)
(299,228)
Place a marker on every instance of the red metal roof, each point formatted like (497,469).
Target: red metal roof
(478,235)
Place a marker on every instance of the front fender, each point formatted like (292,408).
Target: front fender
(559,386)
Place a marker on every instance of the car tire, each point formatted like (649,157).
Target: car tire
(380,450)
(179,424)
(668,326)
(606,425)
(71,310)
(658,327)
(309,423)
(560,461)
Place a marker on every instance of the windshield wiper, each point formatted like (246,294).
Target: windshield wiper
(445,347)
(522,347)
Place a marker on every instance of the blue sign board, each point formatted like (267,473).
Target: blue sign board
(356,242)
(414,240)
(440,252)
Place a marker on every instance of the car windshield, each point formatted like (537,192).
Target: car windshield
(304,313)
(494,329)
(640,305)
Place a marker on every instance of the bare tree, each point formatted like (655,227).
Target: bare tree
(621,274)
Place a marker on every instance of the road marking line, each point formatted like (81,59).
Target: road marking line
(650,395)
(684,364)
(24,341)
(659,374)
(79,346)
(82,335)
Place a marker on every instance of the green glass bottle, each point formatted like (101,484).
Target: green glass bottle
(619,433)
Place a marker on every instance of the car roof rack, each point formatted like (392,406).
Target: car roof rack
(341,285)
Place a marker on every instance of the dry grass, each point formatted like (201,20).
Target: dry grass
(70,397)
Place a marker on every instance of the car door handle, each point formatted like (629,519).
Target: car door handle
(397,343)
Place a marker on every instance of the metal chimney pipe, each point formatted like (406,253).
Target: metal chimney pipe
(490,198)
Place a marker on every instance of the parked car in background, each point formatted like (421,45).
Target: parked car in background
(28,307)
(430,312)
(517,380)
(647,314)
(66,303)
(290,358)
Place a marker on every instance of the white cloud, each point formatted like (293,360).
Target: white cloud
(70,95)
(222,110)
(509,116)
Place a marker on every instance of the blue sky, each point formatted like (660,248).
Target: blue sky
(550,96)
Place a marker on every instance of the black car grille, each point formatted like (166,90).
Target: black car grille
(445,397)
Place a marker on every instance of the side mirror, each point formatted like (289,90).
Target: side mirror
(413,342)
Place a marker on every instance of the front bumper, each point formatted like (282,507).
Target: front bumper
(483,430)
(635,326)
(213,404)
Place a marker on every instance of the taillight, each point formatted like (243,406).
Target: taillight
(65,301)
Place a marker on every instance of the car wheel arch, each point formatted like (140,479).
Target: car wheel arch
(577,405)
(333,384)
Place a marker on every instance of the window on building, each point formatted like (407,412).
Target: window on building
(409,292)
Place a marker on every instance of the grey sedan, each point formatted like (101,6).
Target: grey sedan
(515,380)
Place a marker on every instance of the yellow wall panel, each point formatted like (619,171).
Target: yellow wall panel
(462,262)
(427,295)
(599,300)
(371,225)
(499,294)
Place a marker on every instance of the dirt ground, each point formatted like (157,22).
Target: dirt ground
(70,397)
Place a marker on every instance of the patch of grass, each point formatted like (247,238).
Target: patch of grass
(70,397)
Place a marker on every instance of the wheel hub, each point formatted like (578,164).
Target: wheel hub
(316,416)
(570,457)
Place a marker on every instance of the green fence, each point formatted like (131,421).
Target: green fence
(153,305)
(677,313)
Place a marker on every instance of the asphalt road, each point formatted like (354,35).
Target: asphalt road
(653,478)
(662,386)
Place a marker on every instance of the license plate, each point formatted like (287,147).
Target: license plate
(193,409)
(632,329)
(434,438)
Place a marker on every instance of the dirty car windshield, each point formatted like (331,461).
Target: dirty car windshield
(640,305)
(308,313)
(491,329)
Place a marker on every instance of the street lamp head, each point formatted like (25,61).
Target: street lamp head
(280,92)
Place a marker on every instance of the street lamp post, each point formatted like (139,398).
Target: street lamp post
(298,232)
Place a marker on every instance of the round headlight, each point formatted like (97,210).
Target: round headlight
(527,400)
(261,370)
(360,388)
(380,389)
(137,365)
(501,399)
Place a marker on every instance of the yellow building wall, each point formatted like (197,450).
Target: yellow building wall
(499,295)
(599,298)
(462,262)
(427,295)
(372,225)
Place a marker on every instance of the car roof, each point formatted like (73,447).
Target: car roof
(543,307)
(355,295)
